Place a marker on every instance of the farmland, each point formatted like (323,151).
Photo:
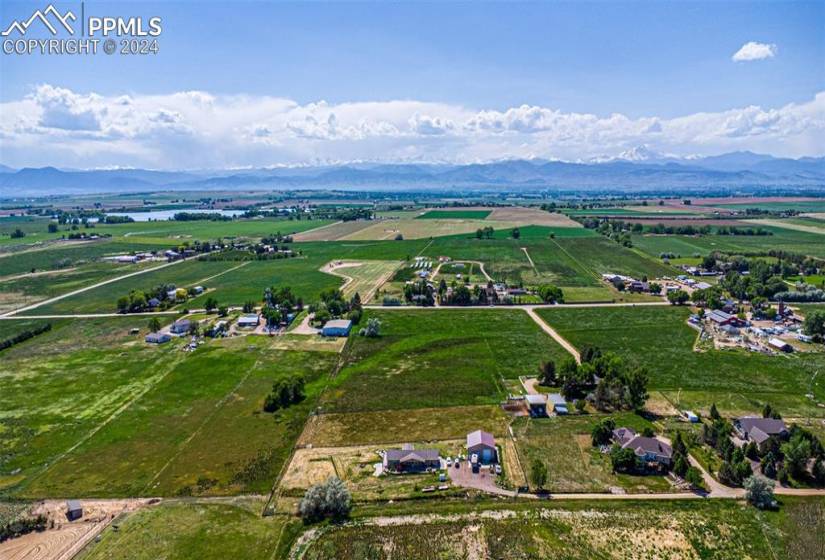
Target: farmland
(454,215)
(660,340)
(142,427)
(423,360)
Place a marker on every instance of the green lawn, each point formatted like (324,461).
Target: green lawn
(432,358)
(454,215)
(660,339)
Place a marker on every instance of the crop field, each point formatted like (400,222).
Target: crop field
(388,426)
(563,444)
(797,224)
(334,231)
(778,205)
(182,530)
(363,278)
(155,421)
(454,215)
(682,530)
(430,358)
(683,245)
(636,211)
(659,339)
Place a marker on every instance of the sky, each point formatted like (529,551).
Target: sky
(250,84)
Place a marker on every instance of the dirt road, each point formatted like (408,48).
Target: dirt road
(553,334)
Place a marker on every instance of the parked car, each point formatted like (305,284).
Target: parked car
(449,461)
(498,469)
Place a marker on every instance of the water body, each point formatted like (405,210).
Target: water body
(159,215)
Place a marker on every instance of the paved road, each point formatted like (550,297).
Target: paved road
(529,306)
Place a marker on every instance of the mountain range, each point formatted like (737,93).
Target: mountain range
(637,170)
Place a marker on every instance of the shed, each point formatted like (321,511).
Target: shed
(537,405)
(248,321)
(691,416)
(482,444)
(337,327)
(780,344)
(74,510)
(559,404)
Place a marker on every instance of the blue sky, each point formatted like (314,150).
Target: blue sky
(664,60)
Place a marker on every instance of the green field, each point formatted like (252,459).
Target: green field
(432,358)
(93,411)
(178,531)
(777,206)
(454,215)
(660,339)
(686,246)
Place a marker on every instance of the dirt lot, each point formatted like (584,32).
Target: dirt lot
(531,216)
(64,539)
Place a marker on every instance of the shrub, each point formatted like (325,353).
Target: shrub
(759,492)
(330,499)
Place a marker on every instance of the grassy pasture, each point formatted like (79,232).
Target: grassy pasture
(389,426)
(563,445)
(183,530)
(198,430)
(454,215)
(430,358)
(59,386)
(659,339)
(684,245)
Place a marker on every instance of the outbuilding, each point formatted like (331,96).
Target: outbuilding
(249,321)
(157,338)
(537,405)
(779,344)
(337,327)
(180,327)
(73,510)
(558,402)
(482,444)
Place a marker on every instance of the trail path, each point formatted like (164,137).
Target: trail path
(554,335)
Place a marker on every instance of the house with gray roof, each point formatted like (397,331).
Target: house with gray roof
(409,460)
(648,449)
(537,404)
(759,430)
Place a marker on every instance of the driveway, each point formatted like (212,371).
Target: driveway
(483,480)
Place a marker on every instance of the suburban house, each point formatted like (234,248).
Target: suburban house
(157,338)
(482,444)
(648,449)
(759,430)
(409,460)
(559,404)
(74,510)
(249,321)
(537,405)
(180,327)
(337,327)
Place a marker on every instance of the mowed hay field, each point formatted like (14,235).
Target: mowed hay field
(96,415)
(437,358)
(659,339)
(362,278)
(683,530)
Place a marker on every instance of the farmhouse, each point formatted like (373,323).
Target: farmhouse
(537,405)
(337,327)
(409,460)
(249,321)
(482,444)
(157,338)
(180,327)
(648,449)
(759,430)
(74,510)
(559,404)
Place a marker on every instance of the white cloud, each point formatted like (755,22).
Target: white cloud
(194,129)
(754,51)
